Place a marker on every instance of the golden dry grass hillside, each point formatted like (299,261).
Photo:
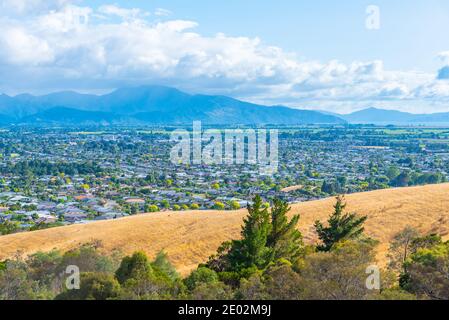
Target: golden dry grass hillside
(191,237)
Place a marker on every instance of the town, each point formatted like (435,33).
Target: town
(57,176)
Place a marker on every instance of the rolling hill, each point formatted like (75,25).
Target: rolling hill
(191,237)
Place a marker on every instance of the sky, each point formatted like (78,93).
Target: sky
(326,55)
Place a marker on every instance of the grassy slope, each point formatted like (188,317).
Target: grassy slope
(191,237)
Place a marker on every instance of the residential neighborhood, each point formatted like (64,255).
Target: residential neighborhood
(52,177)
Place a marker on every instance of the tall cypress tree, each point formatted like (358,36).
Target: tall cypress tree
(284,238)
(252,250)
(341,226)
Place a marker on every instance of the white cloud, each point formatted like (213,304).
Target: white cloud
(161,12)
(20,48)
(125,14)
(62,45)
(32,7)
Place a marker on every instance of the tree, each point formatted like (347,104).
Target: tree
(14,282)
(163,265)
(212,291)
(401,180)
(142,279)
(165,204)
(88,259)
(152,208)
(194,206)
(401,248)
(135,267)
(267,237)
(392,173)
(252,250)
(219,206)
(341,226)
(253,288)
(284,237)
(327,188)
(94,286)
(283,283)
(234,205)
(339,274)
(200,276)
(9,227)
(427,270)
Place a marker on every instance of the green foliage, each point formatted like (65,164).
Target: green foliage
(234,205)
(212,291)
(88,259)
(194,206)
(341,226)
(42,275)
(163,266)
(401,247)
(136,266)
(142,279)
(9,227)
(339,274)
(396,295)
(283,283)
(43,226)
(219,206)
(94,286)
(252,250)
(267,237)
(253,288)
(14,282)
(152,208)
(284,238)
(44,266)
(202,275)
(425,271)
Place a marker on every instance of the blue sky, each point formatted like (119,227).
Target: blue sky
(306,54)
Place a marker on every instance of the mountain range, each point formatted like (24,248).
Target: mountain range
(149,105)
(385,117)
(164,105)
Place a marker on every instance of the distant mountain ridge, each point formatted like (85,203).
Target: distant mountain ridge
(165,105)
(382,116)
(149,105)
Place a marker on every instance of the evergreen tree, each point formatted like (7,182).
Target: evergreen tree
(163,265)
(342,226)
(252,250)
(284,238)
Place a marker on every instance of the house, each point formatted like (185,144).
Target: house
(75,217)
(110,216)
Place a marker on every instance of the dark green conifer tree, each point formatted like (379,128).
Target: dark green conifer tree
(341,226)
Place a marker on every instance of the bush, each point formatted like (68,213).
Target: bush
(135,267)
(94,286)
(200,276)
